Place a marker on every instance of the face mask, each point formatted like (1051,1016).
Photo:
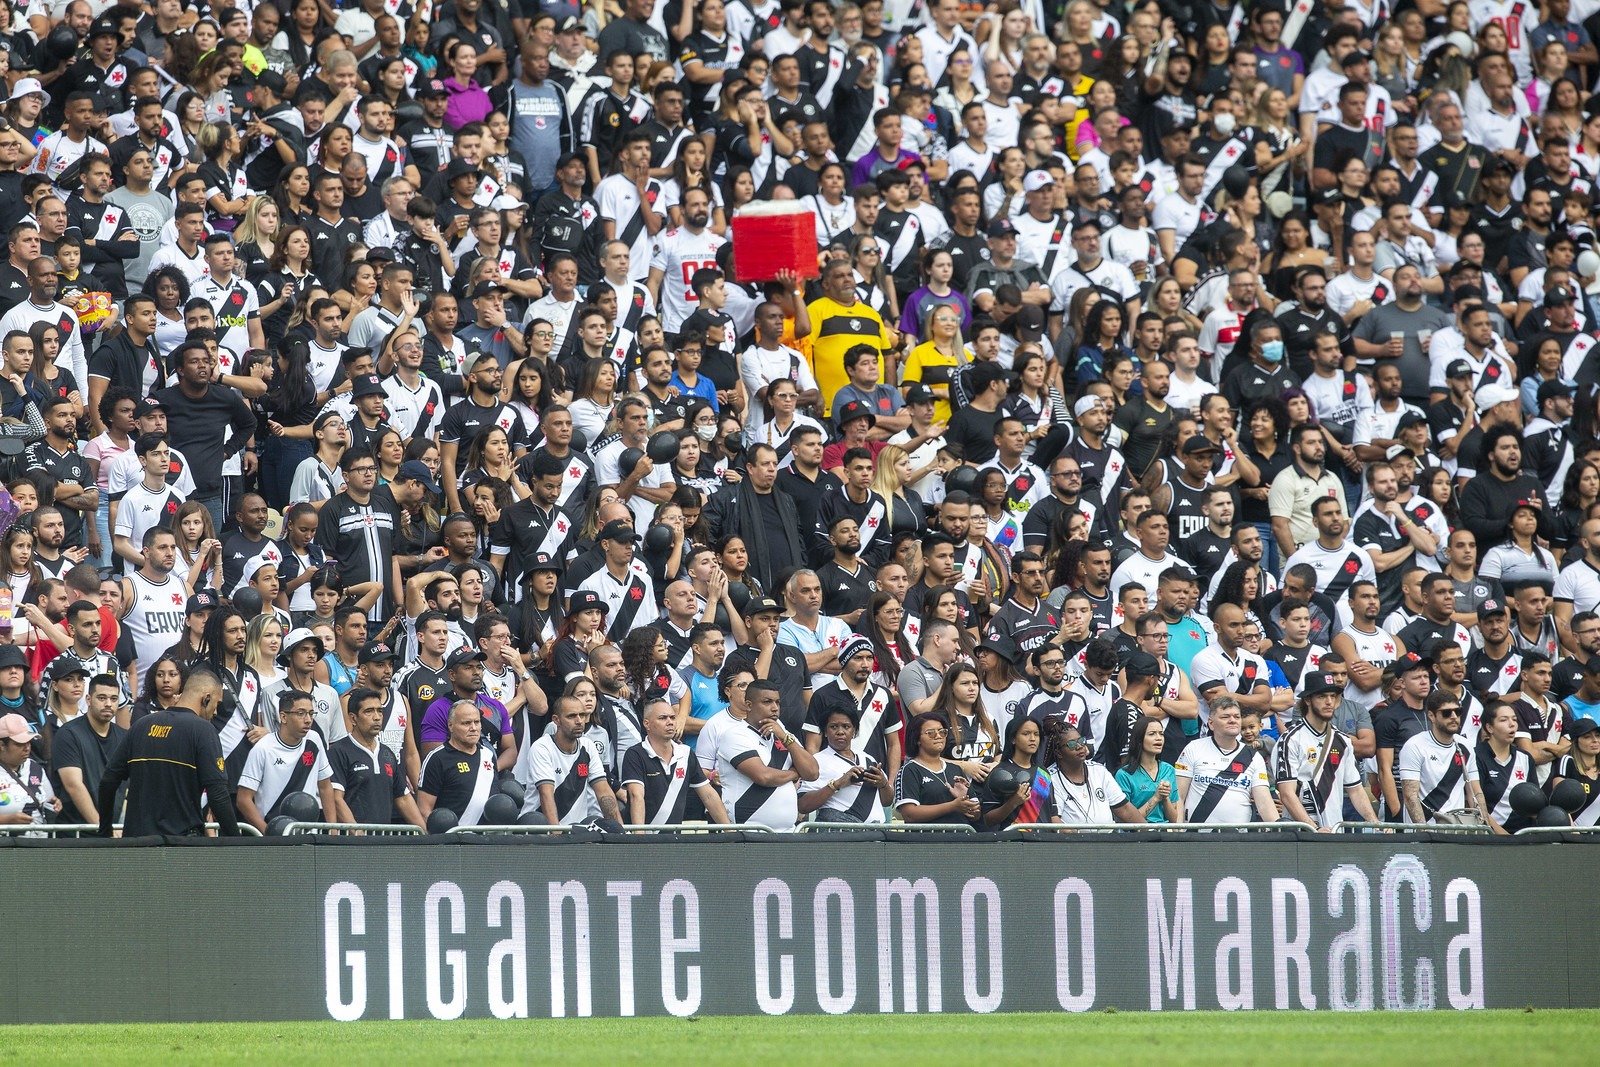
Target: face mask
(705,433)
(1272,351)
(1223,123)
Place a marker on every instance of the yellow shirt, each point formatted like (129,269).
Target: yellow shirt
(835,329)
(933,368)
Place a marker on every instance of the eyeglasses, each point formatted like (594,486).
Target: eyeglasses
(934,731)
(1155,637)
(1044,663)
(738,685)
(1069,474)
(1448,713)
(1075,744)
(870,252)
(362,470)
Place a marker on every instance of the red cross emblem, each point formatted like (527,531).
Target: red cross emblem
(1520,775)
(833,641)
(877,705)
(309,758)
(1388,646)
(111,218)
(1510,671)
(574,471)
(1193,636)
(561,526)
(636,593)
(583,770)
(678,773)
(1351,566)
(177,598)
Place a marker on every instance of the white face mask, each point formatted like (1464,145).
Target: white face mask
(705,433)
(1223,123)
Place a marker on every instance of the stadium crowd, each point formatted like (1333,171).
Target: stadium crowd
(1191,414)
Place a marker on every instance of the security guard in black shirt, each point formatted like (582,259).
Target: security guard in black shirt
(169,759)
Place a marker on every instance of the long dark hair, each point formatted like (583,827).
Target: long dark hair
(1569,487)
(891,650)
(292,388)
(1585,418)
(944,704)
(639,660)
(1136,732)
(1230,588)
(148,694)
(212,635)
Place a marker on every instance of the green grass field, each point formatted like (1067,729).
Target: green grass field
(1498,1037)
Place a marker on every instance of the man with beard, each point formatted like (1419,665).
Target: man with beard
(1341,402)
(1495,668)
(1437,621)
(1177,593)
(1153,558)
(532,527)
(1335,558)
(1178,489)
(1299,583)
(846,581)
(854,691)
(64,475)
(1390,534)
(679,253)
(1039,529)
(1094,582)
(1105,470)
(1025,608)
(1206,548)
(1490,497)
(1374,336)
(1295,492)
(1051,703)
(1307,318)
(1144,420)
(1547,451)
(50,553)
(938,569)
(1398,721)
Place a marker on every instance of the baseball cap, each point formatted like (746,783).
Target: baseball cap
(1030,323)
(1489,395)
(14,727)
(203,600)
(1036,180)
(617,530)
(570,23)
(485,288)
(1409,419)
(1321,683)
(1002,228)
(585,600)
(102,27)
(64,667)
(1142,665)
(1558,297)
(1358,56)
(414,470)
(434,88)
(1396,451)
(1085,404)
(376,652)
(1411,661)
(1491,607)
(1555,388)
(919,394)
(1198,444)
(464,654)
(460,168)
(366,385)
(762,605)
(853,410)
(1576,728)
(1458,368)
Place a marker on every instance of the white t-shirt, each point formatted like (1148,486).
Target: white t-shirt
(1425,761)
(1091,802)
(678,255)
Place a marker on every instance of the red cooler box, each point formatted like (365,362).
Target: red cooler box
(774,235)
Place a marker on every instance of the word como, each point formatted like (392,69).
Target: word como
(888,932)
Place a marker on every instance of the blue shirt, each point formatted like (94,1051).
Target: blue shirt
(1581,710)
(704,388)
(703,699)
(1140,787)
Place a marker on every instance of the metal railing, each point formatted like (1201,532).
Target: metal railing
(1544,831)
(89,829)
(891,827)
(683,828)
(359,829)
(1162,827)
(1413,828)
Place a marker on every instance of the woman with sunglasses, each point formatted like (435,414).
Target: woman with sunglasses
(1084,791)
(930,788)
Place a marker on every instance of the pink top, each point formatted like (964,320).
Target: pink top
(103,450)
